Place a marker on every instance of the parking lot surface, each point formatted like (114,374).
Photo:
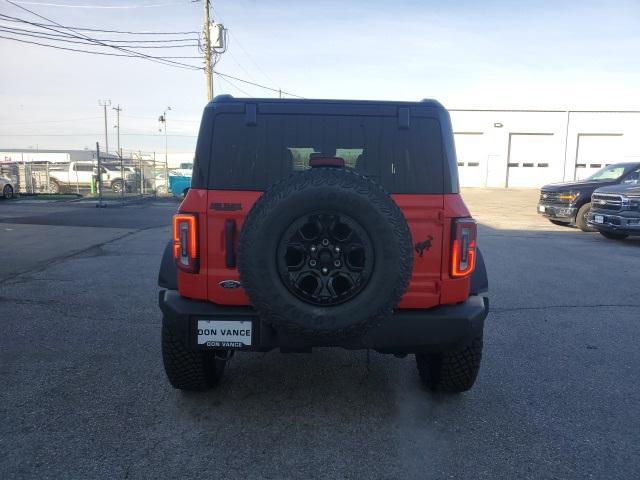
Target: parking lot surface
(84,394)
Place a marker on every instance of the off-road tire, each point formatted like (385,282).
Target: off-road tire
(346,193)
(559,223)
(188,369)
(581,218)
(7,192)
(453,371)
(613,235)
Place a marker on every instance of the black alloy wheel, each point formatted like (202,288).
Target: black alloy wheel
(325,258)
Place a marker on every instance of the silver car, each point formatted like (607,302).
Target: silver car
(7,187)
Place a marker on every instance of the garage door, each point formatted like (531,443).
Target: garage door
(595,151)
(531,158)
(471,151)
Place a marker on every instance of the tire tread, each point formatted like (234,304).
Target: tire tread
(454,371)
(186,368)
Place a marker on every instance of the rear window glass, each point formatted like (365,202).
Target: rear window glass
(253,157)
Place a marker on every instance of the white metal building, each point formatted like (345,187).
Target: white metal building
(528,148)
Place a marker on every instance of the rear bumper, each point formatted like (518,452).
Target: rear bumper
(623,222)
(408,331)
(562,213)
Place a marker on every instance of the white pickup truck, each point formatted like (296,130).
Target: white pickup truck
(80,175)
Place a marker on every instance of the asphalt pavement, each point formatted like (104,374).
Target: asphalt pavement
(84,394)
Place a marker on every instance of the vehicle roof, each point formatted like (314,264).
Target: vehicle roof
(630,162)
(229,99)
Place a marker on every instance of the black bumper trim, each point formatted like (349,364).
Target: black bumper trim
(408,331)
(616,222)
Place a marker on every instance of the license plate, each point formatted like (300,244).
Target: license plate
(224,333)
(598,219)
(541,208)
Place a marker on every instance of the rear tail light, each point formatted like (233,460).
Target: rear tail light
(463,249)
(185,242)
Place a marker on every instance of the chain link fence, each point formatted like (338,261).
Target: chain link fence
(135,174)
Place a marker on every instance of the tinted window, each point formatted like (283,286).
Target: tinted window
(83,167)
(254,157)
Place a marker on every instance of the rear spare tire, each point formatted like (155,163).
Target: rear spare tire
(325,253)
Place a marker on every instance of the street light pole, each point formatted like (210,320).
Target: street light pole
(163,119)
(118,109)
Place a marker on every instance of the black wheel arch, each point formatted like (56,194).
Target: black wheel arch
(168,275)
(479,279)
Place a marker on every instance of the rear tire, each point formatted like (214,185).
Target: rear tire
(454,371)
(613,236)
(581,218)
(188,369)
(7,192)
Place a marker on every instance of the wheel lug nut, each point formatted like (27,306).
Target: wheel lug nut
(325,269)
(337,249)
(337,263)
(313,248)
(325,241)
(312,263)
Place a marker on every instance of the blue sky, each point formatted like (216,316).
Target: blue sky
(467,54)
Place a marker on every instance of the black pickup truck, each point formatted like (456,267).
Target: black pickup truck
(569,203)
(615,210)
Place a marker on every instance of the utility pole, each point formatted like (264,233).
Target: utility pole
(208,67)
(118,109)
(163,120)
(100,204)
(104,104)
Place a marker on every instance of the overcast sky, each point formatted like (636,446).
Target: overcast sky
(467,54)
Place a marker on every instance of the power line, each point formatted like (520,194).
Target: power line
(128,53)
(155,119)
(234,86)
(139,54)
(104,7)
(66,39)
(85,29)
(66,35)
(268,77)
(92,135)
(256,84)
(91,52)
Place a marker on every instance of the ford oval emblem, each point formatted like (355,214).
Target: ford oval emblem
(231,284)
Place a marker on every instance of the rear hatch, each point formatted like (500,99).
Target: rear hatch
(257,145)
